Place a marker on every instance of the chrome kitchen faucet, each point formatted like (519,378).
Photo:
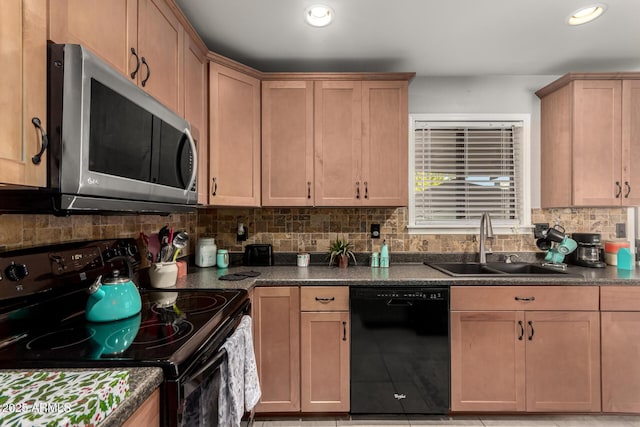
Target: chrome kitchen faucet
(486,232)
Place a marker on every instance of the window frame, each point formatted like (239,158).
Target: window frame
(499,227)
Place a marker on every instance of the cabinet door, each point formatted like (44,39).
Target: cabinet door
(276,316)
(287,143)
(23,88)
(147,414)
(107,28)
(563,361)
(631,142)
(234,137)
(324,361)
(385,143)
(195,110)
(160,46)
(338,143)
(620,367)
(597,143)
(487,361)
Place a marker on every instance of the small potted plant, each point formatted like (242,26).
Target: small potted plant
(341,249)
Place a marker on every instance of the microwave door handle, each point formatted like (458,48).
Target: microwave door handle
(194,171)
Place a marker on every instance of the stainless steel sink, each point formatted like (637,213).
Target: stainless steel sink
(499,269)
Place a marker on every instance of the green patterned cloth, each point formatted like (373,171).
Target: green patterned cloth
(60,398)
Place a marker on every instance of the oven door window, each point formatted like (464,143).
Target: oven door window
(200,391)
(120,133)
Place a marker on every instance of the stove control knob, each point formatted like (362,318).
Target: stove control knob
(15,272)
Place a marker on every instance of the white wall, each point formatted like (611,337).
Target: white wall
(490,94)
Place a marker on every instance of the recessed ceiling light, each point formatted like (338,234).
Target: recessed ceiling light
(586,14)
(319,15)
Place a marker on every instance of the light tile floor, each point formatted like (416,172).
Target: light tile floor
(460,421)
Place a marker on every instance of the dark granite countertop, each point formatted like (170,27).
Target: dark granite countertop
(411,274)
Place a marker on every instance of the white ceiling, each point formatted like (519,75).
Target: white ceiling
(429,37)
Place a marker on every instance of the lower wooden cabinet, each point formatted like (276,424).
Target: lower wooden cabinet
(324,349)
(620,318)
(276,320)
(147,414)
(302,348)
(525,360)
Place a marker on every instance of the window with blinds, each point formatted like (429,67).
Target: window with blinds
(462,168)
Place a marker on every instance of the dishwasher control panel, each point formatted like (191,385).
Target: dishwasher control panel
(422,294)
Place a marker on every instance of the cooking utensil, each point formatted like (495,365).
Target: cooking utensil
(180,240)
(115,298)
(154,246)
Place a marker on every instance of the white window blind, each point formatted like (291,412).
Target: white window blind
(463,168)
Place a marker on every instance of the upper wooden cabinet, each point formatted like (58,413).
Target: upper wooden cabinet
(234,144)
(590,140)
(23,88)
(287,143)
(339,141)
(143,39)
(196,81)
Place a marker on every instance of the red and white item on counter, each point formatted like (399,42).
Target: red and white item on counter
(611,248)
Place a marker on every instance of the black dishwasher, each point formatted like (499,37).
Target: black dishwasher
(399,350)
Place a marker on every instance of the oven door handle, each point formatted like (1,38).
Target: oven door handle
(211,365)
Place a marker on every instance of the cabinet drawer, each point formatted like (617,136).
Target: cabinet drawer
(324,298)
(619,298)
(524,298)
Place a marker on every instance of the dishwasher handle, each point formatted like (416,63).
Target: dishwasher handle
(399,303)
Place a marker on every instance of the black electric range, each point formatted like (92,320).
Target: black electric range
(42,322)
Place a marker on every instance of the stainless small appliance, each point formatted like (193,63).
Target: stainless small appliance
(111,146)
(589,252)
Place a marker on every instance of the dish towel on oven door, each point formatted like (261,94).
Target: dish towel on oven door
(239,386)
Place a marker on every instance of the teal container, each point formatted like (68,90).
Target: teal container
(625,259)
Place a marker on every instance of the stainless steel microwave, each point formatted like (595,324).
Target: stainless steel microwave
(112,146)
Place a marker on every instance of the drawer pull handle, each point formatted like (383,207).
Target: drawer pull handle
(308,189)
(626,184)
(357,189)
(45,141)
(344,331)
(521,336)
(325,299)
(618,189)
(525,298)
(532,331)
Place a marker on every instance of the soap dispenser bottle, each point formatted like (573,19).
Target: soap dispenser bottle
(384,255)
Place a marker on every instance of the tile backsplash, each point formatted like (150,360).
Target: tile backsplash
(312,229)
(293,229)
(19,231)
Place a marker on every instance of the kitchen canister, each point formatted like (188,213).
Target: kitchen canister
(223,258)
(303,259)
(611,248)
(206,252)
(375,259)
